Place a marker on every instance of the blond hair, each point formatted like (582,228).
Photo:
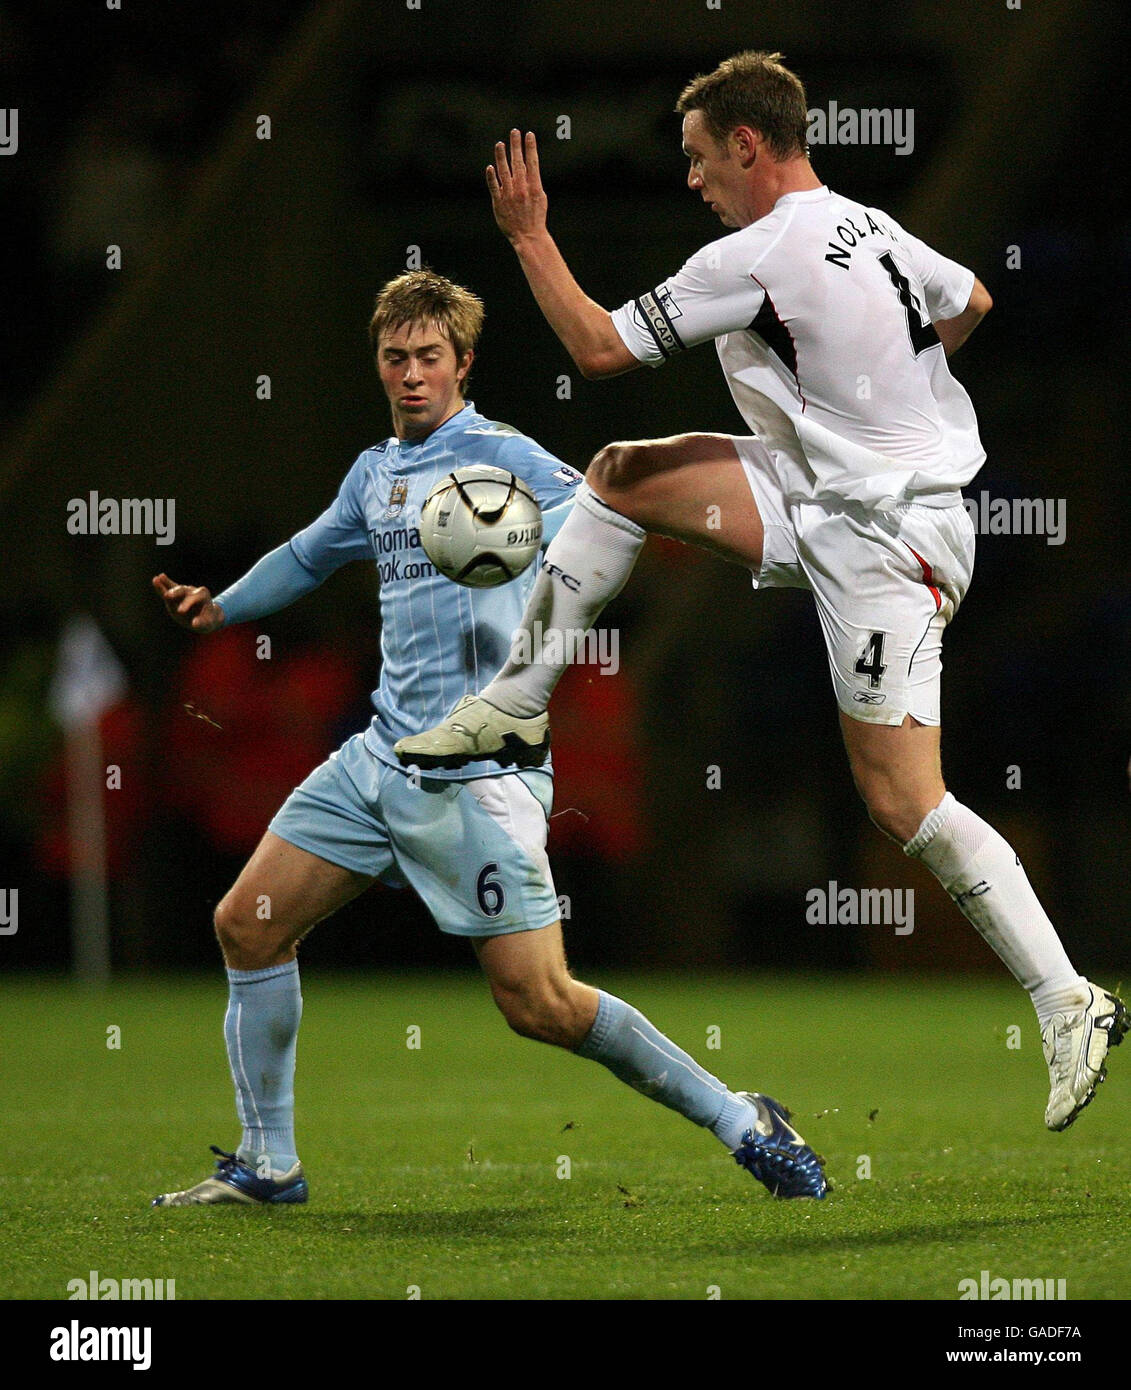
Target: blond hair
(422,296)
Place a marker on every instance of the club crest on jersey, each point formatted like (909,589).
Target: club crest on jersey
(398,496)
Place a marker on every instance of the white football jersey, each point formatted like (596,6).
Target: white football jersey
(822,315)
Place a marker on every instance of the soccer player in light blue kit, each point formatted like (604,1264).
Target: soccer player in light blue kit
(471,842)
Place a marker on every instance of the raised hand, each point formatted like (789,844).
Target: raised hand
(517,197)
(189,606)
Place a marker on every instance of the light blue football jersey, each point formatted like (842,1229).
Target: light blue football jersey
(439,640)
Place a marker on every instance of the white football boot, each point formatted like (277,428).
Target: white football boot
(1076,1045)
(477,730)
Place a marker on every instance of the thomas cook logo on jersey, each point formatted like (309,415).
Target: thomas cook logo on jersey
(398,496)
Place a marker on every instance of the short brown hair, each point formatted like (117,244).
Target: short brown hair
(422,296)
(754,89)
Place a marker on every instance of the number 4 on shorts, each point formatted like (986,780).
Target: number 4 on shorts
(870,662)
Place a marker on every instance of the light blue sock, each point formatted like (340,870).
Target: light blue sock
(261,1031)
(623,1040)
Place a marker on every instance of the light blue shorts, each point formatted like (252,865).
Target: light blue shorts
(474,851)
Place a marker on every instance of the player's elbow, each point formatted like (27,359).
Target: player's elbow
(981,301)
(603,356)
(595,366)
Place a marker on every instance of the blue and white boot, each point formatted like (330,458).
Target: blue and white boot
(237,1181)
(774,1152)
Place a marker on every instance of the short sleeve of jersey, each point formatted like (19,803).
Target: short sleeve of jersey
(339,535)
(714,293)
(551,481)
(946,284)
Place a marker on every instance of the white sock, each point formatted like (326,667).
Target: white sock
(586,565)
(983,875)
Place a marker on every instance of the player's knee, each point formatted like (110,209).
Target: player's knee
(248,943)
(897,814)
(615,468)
(543,1012)
(225,921)
(885,821)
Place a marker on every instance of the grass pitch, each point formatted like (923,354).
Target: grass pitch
(443,1168)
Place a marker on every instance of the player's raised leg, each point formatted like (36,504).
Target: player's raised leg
(535,992)
(898,773)
(280,894)
(691,487)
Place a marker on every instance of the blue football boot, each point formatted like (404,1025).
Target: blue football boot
(774,1152)
(236,1181)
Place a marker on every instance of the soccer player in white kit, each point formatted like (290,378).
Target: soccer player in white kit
(833,327)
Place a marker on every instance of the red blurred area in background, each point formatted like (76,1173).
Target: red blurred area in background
(127,806)
(276,719)
(598,767)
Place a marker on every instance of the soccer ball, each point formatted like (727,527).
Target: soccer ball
(481,526)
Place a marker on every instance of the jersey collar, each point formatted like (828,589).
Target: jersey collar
(805,195)
(454,423)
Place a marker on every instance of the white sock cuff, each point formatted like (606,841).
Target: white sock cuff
(933,822)
(588,499)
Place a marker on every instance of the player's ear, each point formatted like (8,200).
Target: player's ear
(465,365)
(746,142)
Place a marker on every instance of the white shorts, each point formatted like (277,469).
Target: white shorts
(885,583)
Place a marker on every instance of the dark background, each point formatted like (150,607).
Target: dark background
(243,257)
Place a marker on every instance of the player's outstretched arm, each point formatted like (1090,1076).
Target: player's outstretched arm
(519,203)
(189,605)
(954,332)
(272,583)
